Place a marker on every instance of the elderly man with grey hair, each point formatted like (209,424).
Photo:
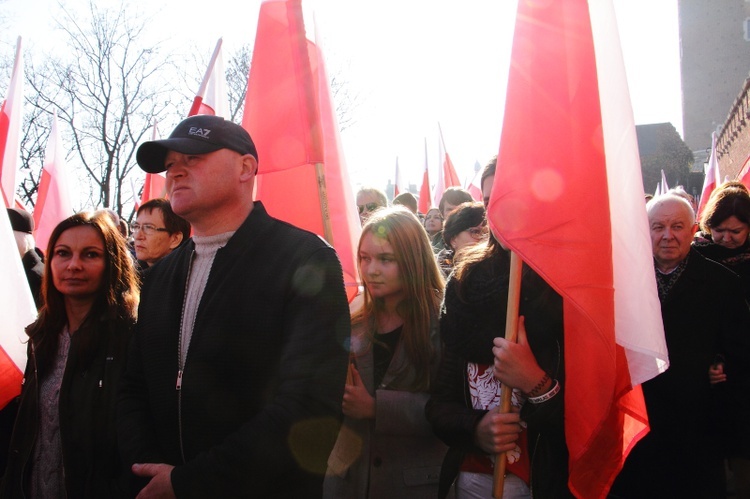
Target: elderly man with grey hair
(706,320)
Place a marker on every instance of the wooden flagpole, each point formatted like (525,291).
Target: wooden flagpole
(511,332)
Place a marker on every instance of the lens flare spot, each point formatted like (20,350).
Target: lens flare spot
(547,185)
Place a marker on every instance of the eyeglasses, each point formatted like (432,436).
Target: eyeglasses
(369,207)
(147,229)
(478,232)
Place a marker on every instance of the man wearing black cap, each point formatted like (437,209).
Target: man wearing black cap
(22,224)
(235,376)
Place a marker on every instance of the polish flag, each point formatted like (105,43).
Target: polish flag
(155,185)
(425,199)
(744,175)
(302,175)
(17,310)
(571,206)
(447,176)
(53,201)
(10,128)
(212,94)
(712,179)
(473,186)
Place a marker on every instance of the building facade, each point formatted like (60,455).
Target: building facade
(714,63)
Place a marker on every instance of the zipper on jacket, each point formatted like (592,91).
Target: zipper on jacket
(180,363)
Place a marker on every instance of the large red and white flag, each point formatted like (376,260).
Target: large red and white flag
(17,310)
(212,94)
(712,179)
(10,129)
(425,197)
(568,198)
(53,201)
(398,182)
(302,175)
(447,176)
(155,185)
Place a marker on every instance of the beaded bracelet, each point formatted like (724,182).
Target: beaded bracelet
(543,398)
(539,385)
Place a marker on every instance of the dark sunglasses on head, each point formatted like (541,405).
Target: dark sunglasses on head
(368,207)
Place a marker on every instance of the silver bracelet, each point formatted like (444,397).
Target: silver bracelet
(545,397)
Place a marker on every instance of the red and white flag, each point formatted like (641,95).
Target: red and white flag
(474,185)
(155,185)
(447,176)
(425,198)
(571,206)
(53,201)
(712,179)
(302,176)
(17,310)
(10,129)
(212,94)
(398,182)
(744,175)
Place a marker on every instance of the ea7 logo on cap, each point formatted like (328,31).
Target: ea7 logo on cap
(201,132)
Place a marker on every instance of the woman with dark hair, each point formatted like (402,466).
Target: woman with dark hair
(464,403)
(465,226)
(386,447)
(64,440)
(725,226)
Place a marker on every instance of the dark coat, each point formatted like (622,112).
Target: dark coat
(260,402)
(33,265)
(468,326)
(705,315)
(91,460)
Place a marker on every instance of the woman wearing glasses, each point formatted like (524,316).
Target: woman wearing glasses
(465,226)
(385,447)
(157,231)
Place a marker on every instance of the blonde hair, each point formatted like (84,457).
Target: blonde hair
(422,282)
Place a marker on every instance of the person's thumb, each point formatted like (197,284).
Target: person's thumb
(521,338)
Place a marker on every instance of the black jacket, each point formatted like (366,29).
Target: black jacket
(91,460)
(260,402)
(468,325)
(705,315)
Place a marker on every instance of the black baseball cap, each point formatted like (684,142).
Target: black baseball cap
(200,134)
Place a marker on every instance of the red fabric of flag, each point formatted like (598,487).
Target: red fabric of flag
(447,176)
(553,203)
(302,176)
(425,198)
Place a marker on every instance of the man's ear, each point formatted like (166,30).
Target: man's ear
(249,167)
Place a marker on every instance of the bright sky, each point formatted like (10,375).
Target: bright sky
(412,64)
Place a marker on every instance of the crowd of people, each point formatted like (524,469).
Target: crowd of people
(210,350)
